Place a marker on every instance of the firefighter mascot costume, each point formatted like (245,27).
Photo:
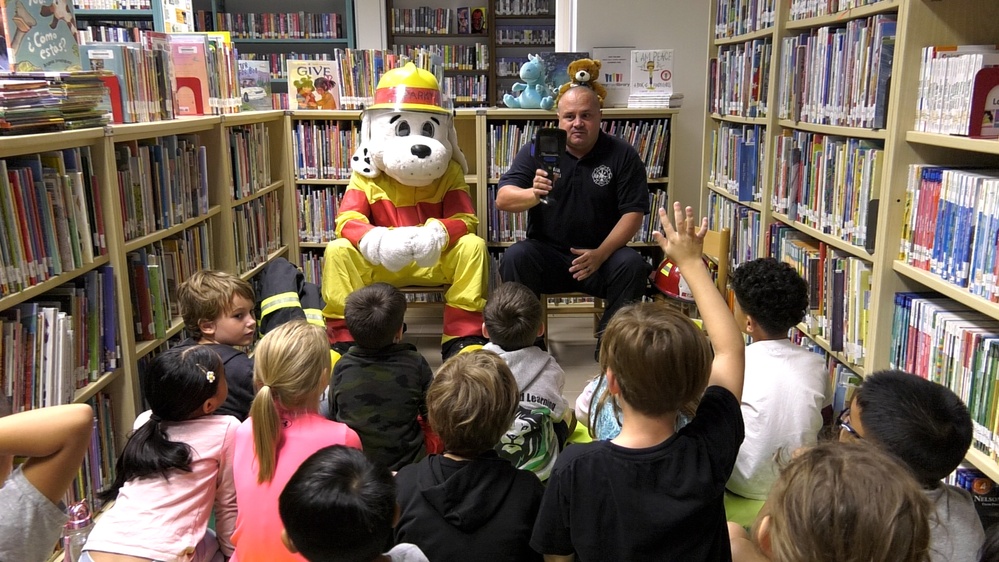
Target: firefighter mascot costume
(407,216)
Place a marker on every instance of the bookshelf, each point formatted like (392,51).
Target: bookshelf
(108,17)
(296,29)
(478,67)
(877,241)
(143,205)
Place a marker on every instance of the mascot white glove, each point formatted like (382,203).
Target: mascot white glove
(428,242)
(388,247)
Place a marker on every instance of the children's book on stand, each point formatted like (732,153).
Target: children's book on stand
(313,84)
(985,104)
(478,23)
(190,61)
(557,67)
(464,20)
(652,79)
(40,36)
(615,74)
(255,84)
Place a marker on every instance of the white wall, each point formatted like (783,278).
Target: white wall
(681,25)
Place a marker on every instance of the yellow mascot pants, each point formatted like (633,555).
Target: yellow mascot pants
(464,266)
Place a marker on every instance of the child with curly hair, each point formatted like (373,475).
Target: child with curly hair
(786,385)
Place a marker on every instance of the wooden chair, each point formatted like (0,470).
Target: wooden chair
(596,308)
(716,249)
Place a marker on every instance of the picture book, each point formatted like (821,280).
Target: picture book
(110,58)
(313,84)
(985,104)
(652,71)
(464,21)
(615,74)
(255,84)
(557,67)
(479,25)
(190,66)
(40,35)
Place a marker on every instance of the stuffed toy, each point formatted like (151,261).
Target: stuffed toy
(534,93)
(583,72)
(407,217)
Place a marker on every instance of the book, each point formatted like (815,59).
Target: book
(651,71)
(190,64)
(464,20)
(313,84)
(985,104)
(615,74)
(255,84)
(557,67)
(479,25)
(40,36)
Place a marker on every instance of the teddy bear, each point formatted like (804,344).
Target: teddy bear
(406,217)
(584,72)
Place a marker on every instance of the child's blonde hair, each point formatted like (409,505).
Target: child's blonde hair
(208,294)
(847,502)
(471,402)
(660,359)
(291,366)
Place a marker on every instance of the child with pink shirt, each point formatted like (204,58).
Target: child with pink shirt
(291,369)
(174,470)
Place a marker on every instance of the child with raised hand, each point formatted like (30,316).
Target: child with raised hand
(291,369)
(175,468)
(55,440)
(217,308)
(839,502)
(654,492)
(380,384)
(928,428)
(468,503)
(339,484)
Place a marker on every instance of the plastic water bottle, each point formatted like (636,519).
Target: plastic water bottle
(74,533)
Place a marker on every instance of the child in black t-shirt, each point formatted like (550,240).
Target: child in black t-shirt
(655,493)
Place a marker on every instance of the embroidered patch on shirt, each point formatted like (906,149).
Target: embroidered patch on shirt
(602,175)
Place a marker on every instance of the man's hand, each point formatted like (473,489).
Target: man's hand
(542,185)
(588,263)
(685,243)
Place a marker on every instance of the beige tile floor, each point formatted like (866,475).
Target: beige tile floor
(571,342)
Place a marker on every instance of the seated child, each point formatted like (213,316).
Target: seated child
(469,504)
(655,492)
(512,322)
(175,468)
(380,385)
(341,485)
(217,308)
(928,428)
(839,502)
(291,369)
(786,384)
(54,439)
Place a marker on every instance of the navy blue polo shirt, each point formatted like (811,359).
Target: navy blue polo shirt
(590,196)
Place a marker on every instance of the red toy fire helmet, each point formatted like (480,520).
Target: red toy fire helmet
(668,280)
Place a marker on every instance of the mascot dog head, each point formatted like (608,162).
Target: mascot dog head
(407,133)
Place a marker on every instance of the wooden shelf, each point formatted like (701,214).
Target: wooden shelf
(984,146)
(983,462)
(853,250)
(740,119)
(838,355)
(114,14)
(275,41)
(838,18)
(45,286)
(272,187)
(872,134)
(736,39)
(142,241)
(949,290)
(755,205)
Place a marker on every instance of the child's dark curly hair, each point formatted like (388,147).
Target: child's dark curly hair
(772,293)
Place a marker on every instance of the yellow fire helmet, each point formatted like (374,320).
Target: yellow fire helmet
(409,89)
